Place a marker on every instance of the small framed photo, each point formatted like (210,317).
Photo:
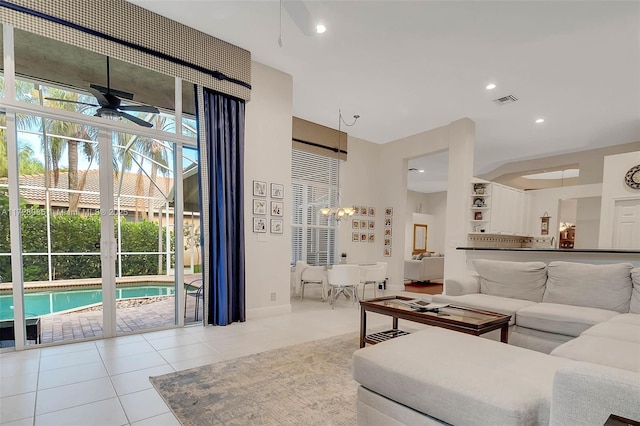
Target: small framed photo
(364,210)
(372,224)
(477,216)
(259,224)
(372,211)
(259,206)
(355,236)
(355,224)
(277,208)
(363,237)
(276,226)
(356,210)
(277,190)
(386,252)
(372,238)
(387,232)
(388,221)
(364,224)
(388,211)
(259,188)
(387,242)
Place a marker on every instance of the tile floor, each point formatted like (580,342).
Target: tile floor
(106,382)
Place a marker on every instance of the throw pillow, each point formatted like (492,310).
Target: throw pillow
(516,280)
(594,286)
(635,294)
(414,257)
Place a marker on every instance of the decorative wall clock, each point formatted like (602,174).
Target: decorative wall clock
(632,178)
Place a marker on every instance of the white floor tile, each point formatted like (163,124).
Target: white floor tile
(108,412)
(133,363)
(73,395)
(18,367)
(74,374)
(69,359)
(142,405)
(166,419)
(17,407)
(183,353)
(68,348)
(120,340)
(23,422)
(18,384)
(136,381)
(173,341)
(198,362)
(125,350)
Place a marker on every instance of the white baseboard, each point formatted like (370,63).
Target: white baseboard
(268,311)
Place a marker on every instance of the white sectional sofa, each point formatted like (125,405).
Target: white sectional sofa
(424,269)
(582,322)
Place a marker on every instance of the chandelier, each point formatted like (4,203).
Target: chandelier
(339,213)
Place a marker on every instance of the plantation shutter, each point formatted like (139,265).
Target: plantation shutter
(313,181)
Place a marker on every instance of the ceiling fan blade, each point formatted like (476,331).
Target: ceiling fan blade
(135,119)
(70,101)
(299,13)
(139,108)
(102,100)
(119,93)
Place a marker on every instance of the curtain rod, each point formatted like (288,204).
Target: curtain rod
(318,145)
(157,54)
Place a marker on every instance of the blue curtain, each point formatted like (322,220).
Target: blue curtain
(224,127)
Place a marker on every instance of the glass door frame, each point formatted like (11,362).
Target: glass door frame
(108,244)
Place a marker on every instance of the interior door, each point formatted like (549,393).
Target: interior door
(626,226)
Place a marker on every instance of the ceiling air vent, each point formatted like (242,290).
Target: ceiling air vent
(505,100)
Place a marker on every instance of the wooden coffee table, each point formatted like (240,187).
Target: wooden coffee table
(457,318)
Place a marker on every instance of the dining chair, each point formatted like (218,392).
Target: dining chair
(373,275)
(343,279)
(198,286)
(311,275)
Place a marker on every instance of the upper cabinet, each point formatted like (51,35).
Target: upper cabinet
(498,209)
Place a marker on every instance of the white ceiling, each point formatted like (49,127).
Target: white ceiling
(410,66)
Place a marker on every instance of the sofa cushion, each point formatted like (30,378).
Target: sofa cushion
(459,378)
(517,280)
(562,319)
(503,305)
(635,294)
(602,350)
(596,286)
(626,319)
(615,330)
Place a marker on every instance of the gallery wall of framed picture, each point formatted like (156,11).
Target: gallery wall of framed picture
(388,232)
(268,207)
(363,224)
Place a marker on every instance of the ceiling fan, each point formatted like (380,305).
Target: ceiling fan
(109,102)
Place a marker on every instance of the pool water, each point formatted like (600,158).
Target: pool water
(48,302)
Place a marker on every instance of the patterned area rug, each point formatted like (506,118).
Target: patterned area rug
(306,384)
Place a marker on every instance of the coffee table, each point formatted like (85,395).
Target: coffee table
(457,318)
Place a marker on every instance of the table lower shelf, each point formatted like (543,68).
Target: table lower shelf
(384,335)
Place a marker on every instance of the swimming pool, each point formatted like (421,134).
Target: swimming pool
(51,301)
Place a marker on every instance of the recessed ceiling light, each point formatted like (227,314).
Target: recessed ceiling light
(540,120)
(320,28)
(421,171)
(491,86)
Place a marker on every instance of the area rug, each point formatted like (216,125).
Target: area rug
(305,384)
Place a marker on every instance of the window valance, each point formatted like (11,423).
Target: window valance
(318,139)
(130,33)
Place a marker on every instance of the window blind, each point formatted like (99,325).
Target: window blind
(314,185)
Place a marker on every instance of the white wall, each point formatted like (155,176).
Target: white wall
(458,137)
(268,158)
(429,209)
(614,188)
(588,223)
(359,181)
(548,200)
